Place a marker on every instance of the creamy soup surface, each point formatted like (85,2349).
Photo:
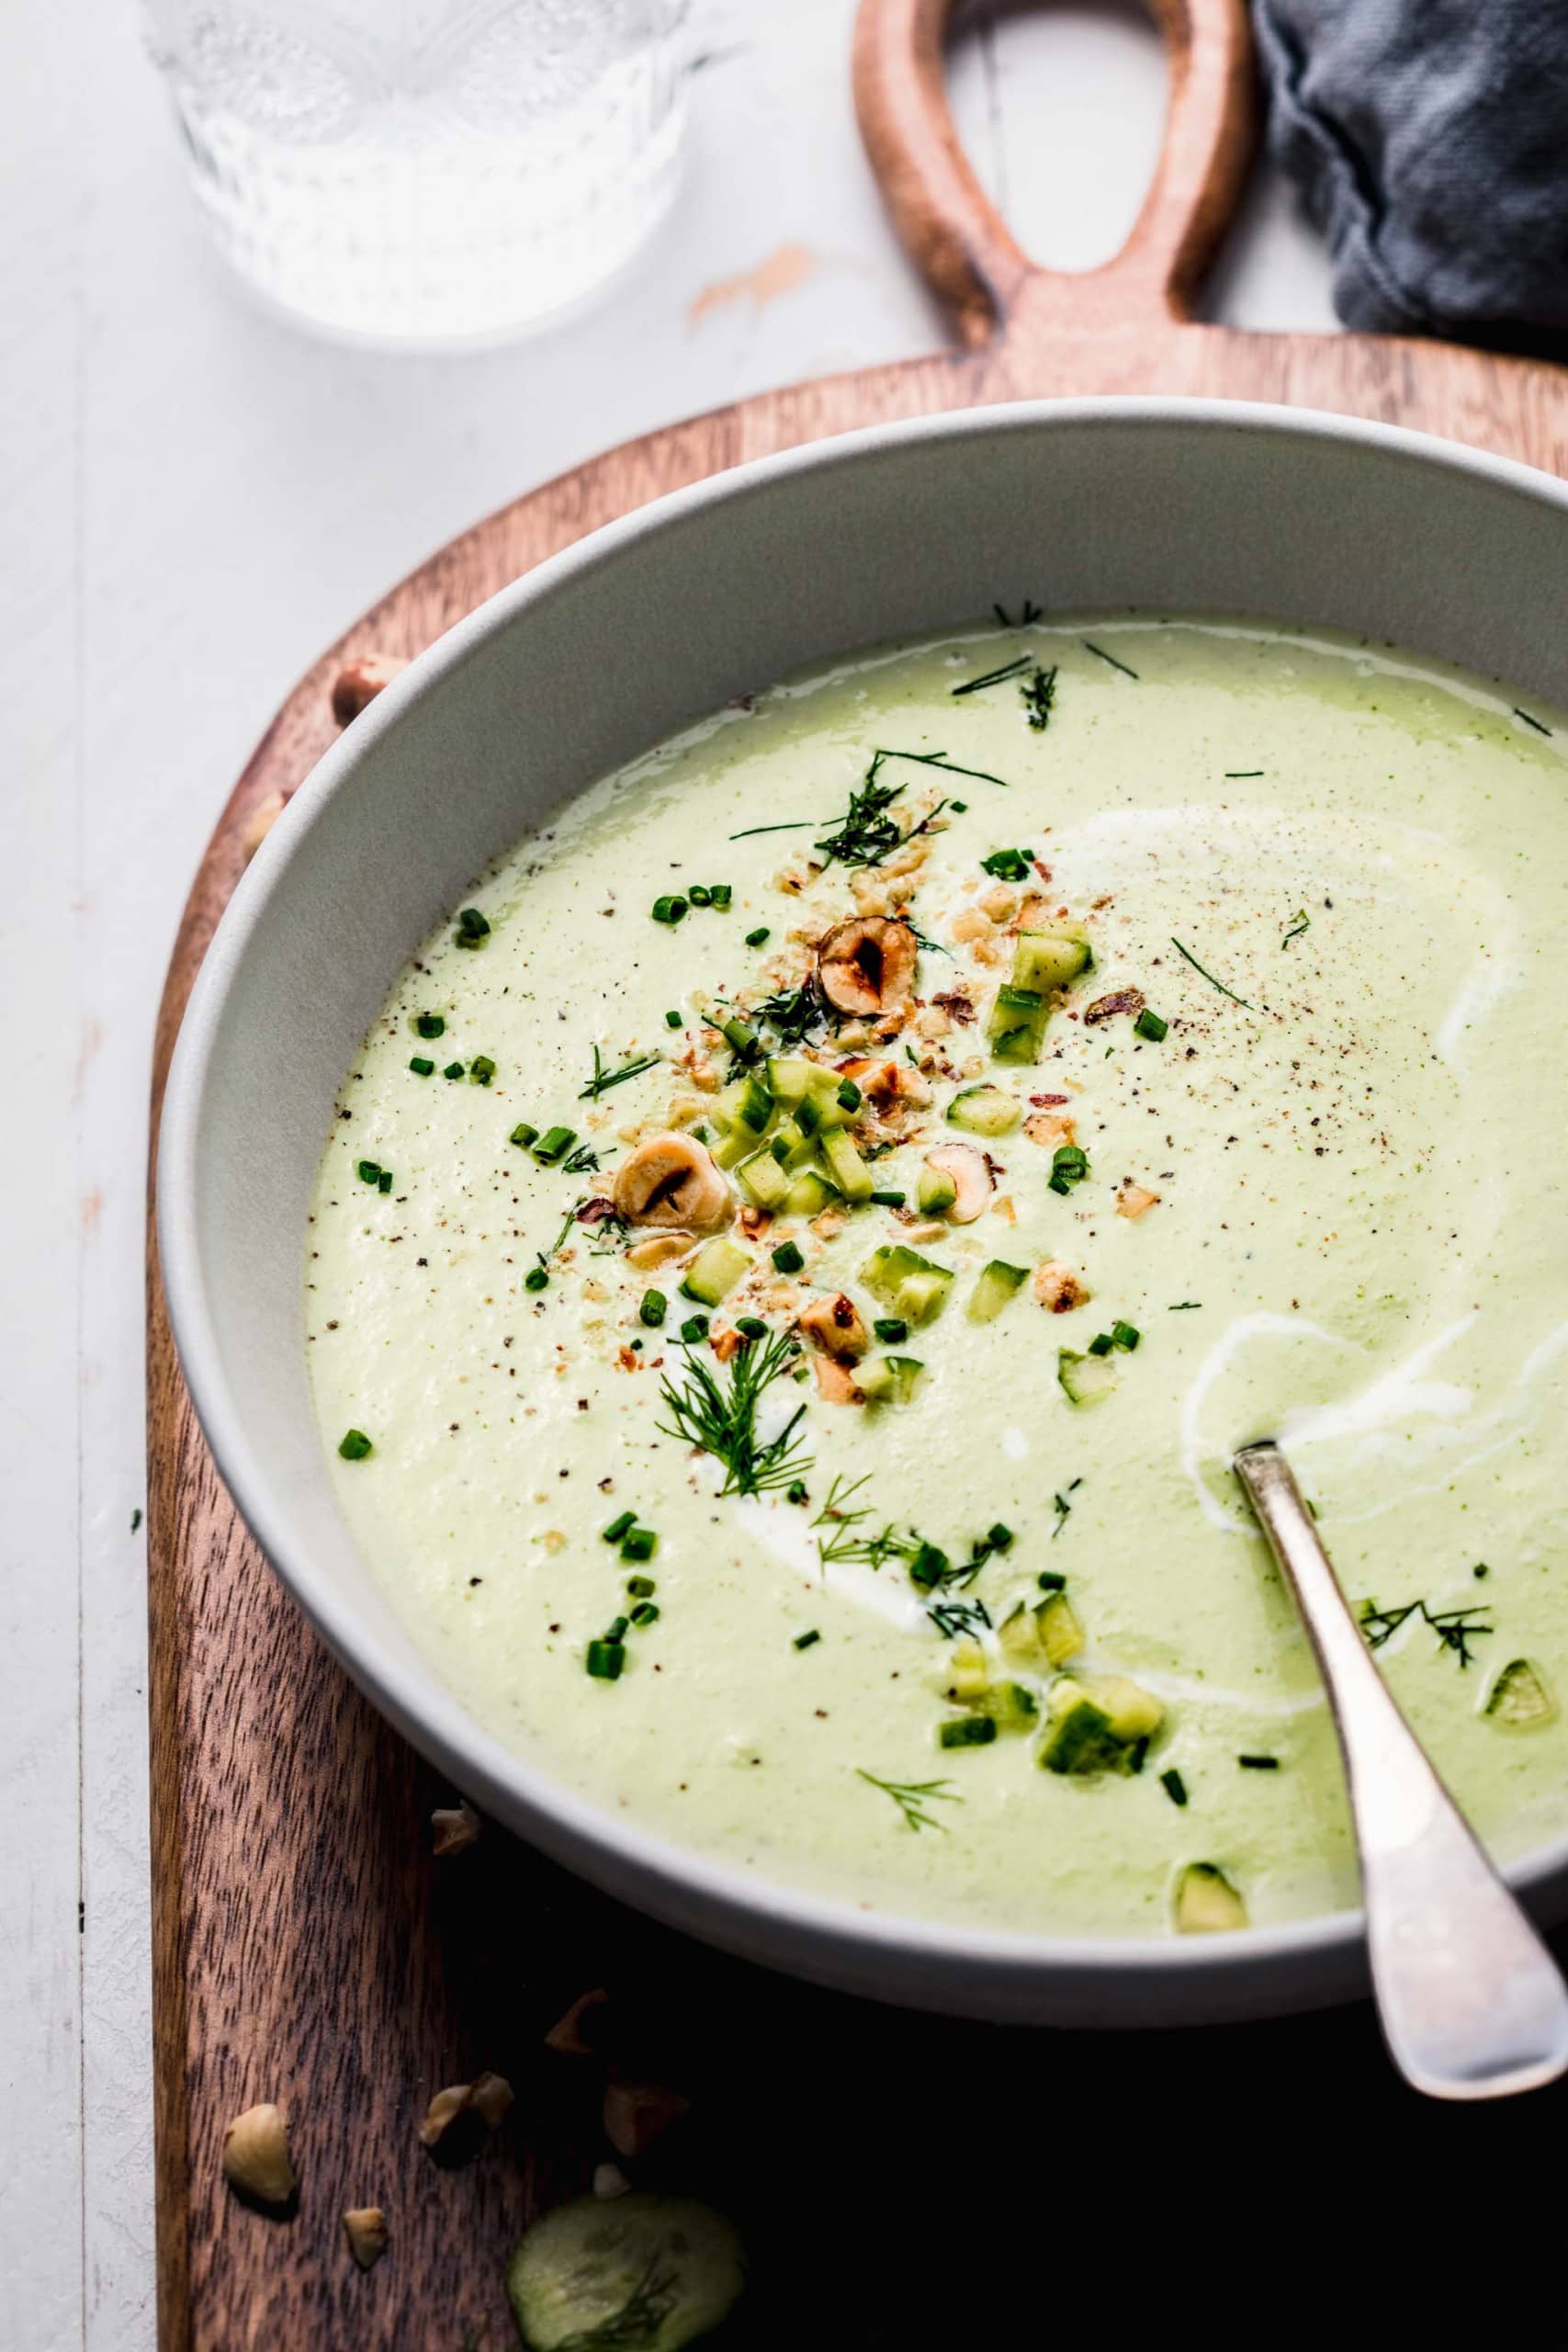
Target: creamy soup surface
(1203,1004)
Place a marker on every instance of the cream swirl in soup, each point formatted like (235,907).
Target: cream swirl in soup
(801,1242)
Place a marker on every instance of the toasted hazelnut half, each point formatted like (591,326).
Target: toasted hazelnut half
(834,1324)
(660,1250)
(971,1175)
(488,2097)
(453,1827)
(365,2229)
(867,965)
(1057,1288)
(671,1180)
(357,684)
(255,2155)
(635,2114)
(566,2035)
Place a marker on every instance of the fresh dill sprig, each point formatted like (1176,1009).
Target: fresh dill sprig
(1064,1508)
(792,1016)
(1039,692)
(991,678)
(603,1079)
(1210,978)
(718,1412)
(866,833)
(1100,655)
(1455,1628)
(955,1617)
(1539,725)
(639,2319)
(911,1798)
(795,825)
(583,1161)
(1030,613)
(1300,922)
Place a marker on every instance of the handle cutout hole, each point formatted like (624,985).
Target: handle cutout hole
(1061,112)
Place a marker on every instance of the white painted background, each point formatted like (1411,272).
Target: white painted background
(192,501)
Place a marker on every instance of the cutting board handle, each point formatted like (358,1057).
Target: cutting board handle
(958,241)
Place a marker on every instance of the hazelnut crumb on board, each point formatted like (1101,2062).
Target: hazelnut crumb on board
(454,1827)
(255,2155)
(364,2227)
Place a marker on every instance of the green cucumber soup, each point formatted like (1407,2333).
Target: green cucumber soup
(803,1239)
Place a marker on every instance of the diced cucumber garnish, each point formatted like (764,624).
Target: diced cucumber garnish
(1060,1633)
(809,1195)
(967,1731)
(846,1168)
(984,1111)
(1016,1025)
(935,1191)
(911,1285)
(1206,1901)
(967,1670)
(1011,1706)
(1085,1380)
(1101,1724)
(789,1145)
(888,1380)
(1019,1632)
(729,1150)
(655,2271)
(789,1076)
(1521,1698)
(754,1105)
(994,1286)
(763,1181)
(1053,956)
(714,1270)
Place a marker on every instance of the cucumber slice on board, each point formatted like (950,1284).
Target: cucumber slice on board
(641,2271)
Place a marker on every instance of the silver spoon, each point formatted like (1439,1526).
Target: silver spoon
(1471,2002)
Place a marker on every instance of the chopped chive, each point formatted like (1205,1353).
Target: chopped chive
(1125,1335)
(669,909)
(992,677)
(618,1527)
(673,1020)
(1070,1166)
(523,1134)
(888,1200)
(535,1278)
(430,1024)
(890,1329)
(997,1537)
(968,1731)
(1049,1581)
(795,1491)
(700,894)
(369,1171)
(1259,1763)
(756,938)
(604,1661)
(1007,865)
(639,1588)
(354,1445)
(422,1067)
(554,1144)
(616,1628)
(1149,1025)
(721,894)
(1174,1786)
(638,1543)
(452,1070)
(958,807)
(482,1069)
(384,1182)
(928,1565)
(1101,1344)
(740,1034)
(751,1327)
(1209,976)
(804,1641)
(788,1258)
(645,1613)
(849,1097)
(471,928)
(655,1307)
(693,1329)
(1539,725)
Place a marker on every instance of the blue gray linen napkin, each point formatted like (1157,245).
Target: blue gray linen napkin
(1429,141)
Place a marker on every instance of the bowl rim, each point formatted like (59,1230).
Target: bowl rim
(724,1901)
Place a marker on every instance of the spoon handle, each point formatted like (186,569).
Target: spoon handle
(1471,2002)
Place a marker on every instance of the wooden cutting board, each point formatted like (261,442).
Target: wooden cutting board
(308,1948)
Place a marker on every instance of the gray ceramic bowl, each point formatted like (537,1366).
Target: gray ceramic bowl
(1172,507)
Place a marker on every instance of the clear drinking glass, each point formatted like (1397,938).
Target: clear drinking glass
(427,171)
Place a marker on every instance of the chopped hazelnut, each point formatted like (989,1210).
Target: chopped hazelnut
(255,2155)
(635,2114)
(566,2035)
(455,1826)
(365,2229)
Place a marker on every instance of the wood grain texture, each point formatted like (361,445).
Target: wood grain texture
(308,1948)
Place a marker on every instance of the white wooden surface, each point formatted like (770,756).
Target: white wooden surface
(193,500)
